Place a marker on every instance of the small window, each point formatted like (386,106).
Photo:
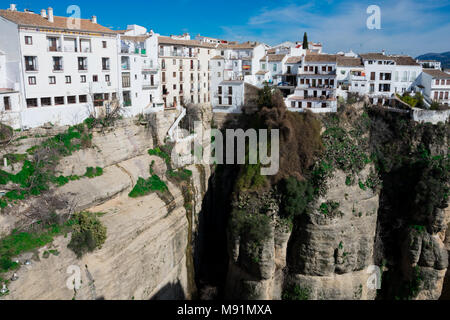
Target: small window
(104,44)
(72,99)
(32,103)
(7,103)
(68,79)
(83,79)
(107,78)
(59,100)
(32,81)
(82,98)
(52,80)
(94,78)
(28,40)
(45,102)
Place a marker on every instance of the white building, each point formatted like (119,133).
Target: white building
(185,73)
(387,75)
(430,64)
(62,70)
(9,96)
(210,40)
(234,71)
(350,76)
(436,86)
(140,84)
(316,85)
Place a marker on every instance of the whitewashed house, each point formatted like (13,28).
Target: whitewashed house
(350,76)
(387,75)
(430,64)
(140,85)
(234,71)
(436,86)
(316,85)
(185,71)
(62,70)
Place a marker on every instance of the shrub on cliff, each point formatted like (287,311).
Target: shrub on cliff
(300,140)
(89,233)
(254,227)
(297,195)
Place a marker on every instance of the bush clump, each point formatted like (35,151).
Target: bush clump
(297,195)
(296,292)
(162,152)
(89,233)
(144,187)
(254,227)
(180,174)
(92,173)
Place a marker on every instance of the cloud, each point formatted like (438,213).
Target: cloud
(407,26)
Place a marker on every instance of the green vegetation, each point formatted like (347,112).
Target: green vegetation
(88,233)
(296,292)
(6,132)
(38,173)
(179,175)
(330,209)
(162,152)
(305,41)
(144,187)
(15,158)
(415,101)
(297,196)
(345,149)
(253,227)
(92,173)
(251,178)
(20,242)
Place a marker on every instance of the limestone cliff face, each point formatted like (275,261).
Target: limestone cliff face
(326,255)
(145,255)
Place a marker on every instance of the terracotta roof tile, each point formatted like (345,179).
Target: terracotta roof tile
(349,62)
(437,74)
(320,58)
(292,60)
(35,20)
(188,43)
(135,38)
(245,45)
(274,57)
(405,61)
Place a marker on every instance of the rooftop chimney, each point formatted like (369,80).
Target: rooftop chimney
(50,14)
(94,19)
(43,13)
(13,7)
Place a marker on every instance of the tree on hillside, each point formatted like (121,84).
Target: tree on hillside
(305,41)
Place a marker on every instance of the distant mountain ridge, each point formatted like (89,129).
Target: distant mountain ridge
(444,58)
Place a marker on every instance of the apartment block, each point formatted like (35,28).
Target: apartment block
(234,71)
(185,70)
(316,85)
(62,71)
(140,83)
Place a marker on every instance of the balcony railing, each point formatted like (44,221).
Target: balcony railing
(70,49)
(54,49)
(150,68)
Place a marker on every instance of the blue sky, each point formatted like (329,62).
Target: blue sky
(407,26)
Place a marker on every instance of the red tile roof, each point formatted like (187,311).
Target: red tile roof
(35,20)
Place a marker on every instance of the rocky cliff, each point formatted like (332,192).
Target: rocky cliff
(377,230)
(147,251)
